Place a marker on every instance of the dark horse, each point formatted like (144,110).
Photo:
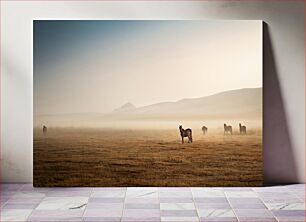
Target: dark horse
(186,133)
(45,129)
(228,129)
(242,129)
(204,130)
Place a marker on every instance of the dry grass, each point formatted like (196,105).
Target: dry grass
(88,157)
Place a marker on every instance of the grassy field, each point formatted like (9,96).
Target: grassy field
(92,157)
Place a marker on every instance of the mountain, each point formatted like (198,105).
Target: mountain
(229,105)
(125,107)
(246,103)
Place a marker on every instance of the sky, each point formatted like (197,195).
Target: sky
(84,66)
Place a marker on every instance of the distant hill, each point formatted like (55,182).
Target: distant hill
(246,103)
(235,104)
(125,107)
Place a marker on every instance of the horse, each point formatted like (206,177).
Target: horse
(45,130)
(228,129)
(186,133)
(242,129)
(204,130)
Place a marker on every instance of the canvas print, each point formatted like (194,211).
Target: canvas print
(147,103)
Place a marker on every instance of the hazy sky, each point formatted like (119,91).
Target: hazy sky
(97,66)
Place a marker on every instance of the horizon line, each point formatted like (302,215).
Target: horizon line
(136,107)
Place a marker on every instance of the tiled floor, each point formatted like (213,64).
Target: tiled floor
(22,202)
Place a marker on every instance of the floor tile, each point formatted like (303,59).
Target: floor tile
(213,205)
(110,189)
(139,219)
(176,199)
(55,219)
(142,213)
(91,205)
(216,213)
(24,200)
(20,206)
(289,213)
(254,219)
(103,213)
(246,200)
(177,206)
(29,188)
(133,192)
(109,194)
(14,214)
(218,219)
(296,187)
(101,219)
(300,195)
(175,193)
(278,189)
(206,192)
(172,189)
(3,200)
(56,213)
(7,194)
(274,197)
(178,213)
(274,194)
(62,203)
(141,206)
(10,186)
(179,219)
(110,204)
(236,188)
(230,194)
(68,193)
(291,219)
(281,200)
(248,206)
(210,200)
(72,189)
(286,206)
(142,200)
(105,200)
(253,213)
(25,194)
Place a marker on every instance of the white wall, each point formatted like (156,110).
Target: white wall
(284,81)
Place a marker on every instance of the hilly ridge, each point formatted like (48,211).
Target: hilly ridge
(230,104)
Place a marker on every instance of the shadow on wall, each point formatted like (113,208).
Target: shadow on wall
(278,159)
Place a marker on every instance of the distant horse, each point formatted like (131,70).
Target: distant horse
(204,130)
(185,133)
(242,129)
(228,129)
(45,129)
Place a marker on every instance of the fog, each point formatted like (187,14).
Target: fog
(97,66)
